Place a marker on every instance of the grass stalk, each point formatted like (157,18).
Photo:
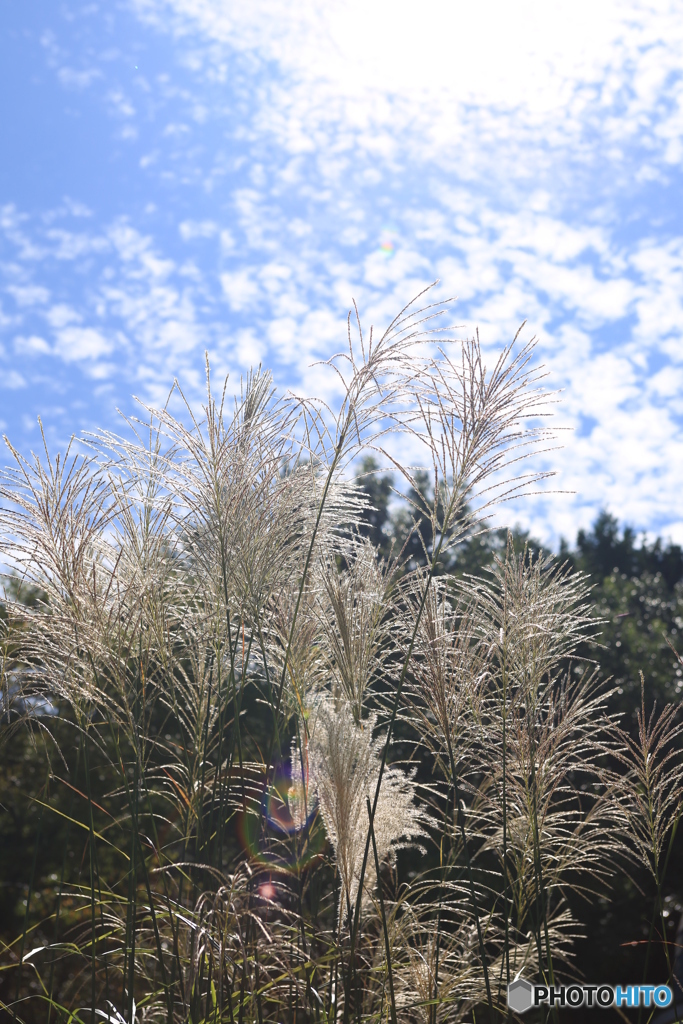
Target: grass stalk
(36,847)
(387,944)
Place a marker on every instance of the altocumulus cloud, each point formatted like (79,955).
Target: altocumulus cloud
(260,164)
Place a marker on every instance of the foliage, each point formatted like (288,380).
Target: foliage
(638,594)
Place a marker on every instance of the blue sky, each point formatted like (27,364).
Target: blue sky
(190,175)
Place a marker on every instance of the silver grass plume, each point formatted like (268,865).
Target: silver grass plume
(433,962)
(343,764)
(353,620)
(548,813)
(307,669)
(650,783)
(472,423)
(448,671)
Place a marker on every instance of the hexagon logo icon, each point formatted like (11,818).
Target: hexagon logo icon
(520,995)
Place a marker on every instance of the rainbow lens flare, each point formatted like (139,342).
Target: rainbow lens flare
(387,243)
(289,841)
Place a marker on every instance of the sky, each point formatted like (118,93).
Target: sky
(182,176)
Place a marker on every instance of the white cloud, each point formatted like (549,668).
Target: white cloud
(81,343)
(73,79)
(29,295)
(660,295)
(71,245)
(384,63)
(178,336)
(60,315)
(240,289)
(33,345)
(191,229)
(77,209)
(120,104)
(248,350)
(101,370)
(227,240)
(12,379)
(667,383)
(128,133)
(175,130)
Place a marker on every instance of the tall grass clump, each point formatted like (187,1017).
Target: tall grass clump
(304,783)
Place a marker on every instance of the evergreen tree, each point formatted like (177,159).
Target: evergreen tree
(638,593)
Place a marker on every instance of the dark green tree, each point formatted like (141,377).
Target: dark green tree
(376,520)
(638,594)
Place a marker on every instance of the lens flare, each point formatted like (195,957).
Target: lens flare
(283,837)
(267,891)
(387,243)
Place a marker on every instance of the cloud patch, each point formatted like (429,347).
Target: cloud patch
(81,343)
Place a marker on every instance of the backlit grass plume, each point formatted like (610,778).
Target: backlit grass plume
(300,783)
